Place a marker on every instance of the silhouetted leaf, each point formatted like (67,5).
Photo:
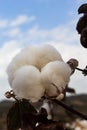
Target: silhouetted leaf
(27,107)
(13,117)
(28,113)
(21,115)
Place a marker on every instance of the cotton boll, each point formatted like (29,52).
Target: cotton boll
(55,76)
(26,65)
(27,84)
(37,56)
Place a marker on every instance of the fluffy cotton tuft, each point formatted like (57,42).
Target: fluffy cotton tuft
(46,54)
(27,83)
(25,57)
(55,76)
(82,123)
(78,124)
(37,71)
(33,55)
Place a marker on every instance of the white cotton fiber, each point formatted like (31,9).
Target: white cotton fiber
(27,83)
(57,74)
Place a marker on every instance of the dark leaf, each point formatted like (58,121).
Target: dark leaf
(33,118)
(27,107)
(28,113)
(20,115)
(13,118)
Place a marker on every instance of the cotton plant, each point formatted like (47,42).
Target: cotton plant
(39,73)
(31,82)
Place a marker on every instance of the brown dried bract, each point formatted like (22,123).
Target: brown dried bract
(81,24)
(82,8)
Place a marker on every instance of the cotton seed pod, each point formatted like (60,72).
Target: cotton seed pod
(73,63)
(8,94)
(82,8)
(83,38)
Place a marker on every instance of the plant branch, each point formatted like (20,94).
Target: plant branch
(67,107)
(84,71)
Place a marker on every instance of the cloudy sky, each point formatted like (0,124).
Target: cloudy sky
(41,22)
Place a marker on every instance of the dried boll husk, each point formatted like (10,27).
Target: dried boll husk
(81,24)
(82,8)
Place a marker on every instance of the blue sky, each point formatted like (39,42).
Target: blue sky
(40,22)
(46,11)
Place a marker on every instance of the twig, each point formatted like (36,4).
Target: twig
(79,69)
(84,71)
(67,107)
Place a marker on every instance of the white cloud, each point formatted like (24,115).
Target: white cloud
(21,20)
(12,32)
(7,52)
(60,34)
(81,2)
(3,23)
